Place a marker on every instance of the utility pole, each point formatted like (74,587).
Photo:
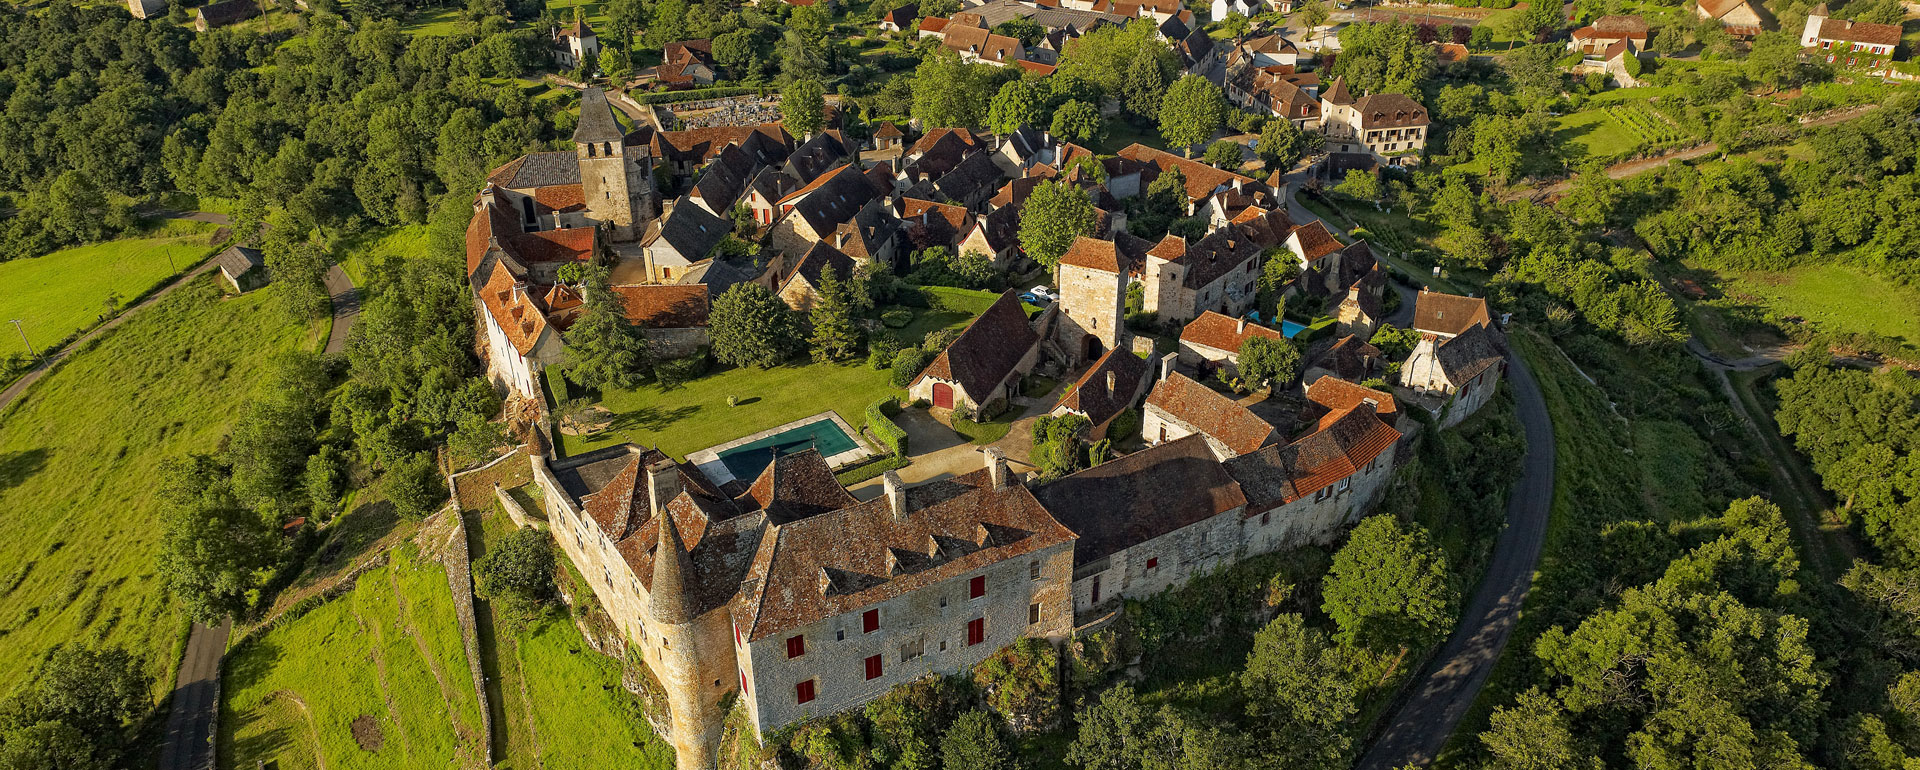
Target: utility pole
(23,338)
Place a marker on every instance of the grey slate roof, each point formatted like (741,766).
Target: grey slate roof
(596,119)
(976,175)
(541,169)
(693,231)
(725,179)
(1466,356)
(237,260)
(1125,502)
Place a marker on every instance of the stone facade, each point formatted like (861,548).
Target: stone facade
(920,633)
(1093,306)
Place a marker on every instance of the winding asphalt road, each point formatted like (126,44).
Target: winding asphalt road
(1451,682)
(196,701)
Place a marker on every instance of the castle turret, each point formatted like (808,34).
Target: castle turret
(616,180)
(695,661)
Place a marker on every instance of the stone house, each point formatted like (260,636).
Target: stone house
(1203,181)
(1148,521)
(929,224)
(1838,38)
(1212,342)
(1308,490)
(1276,91)
(1606,31)
(1390,127)
(1737,16)
(796,279)
(763,194)
(1217,272)
(1458,361)
(1348,358)
(1360,312)
(796,597)
(899,19)
(1110,386)
(242,267)
(1178,407)
(813,213)
(520,341)
(573,43)
(673,318)
(145,9)
(223,13)
(683,152)
(981,369)
(686,235)
(723,182)
(996,235)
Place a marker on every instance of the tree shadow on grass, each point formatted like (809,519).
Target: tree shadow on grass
(356,531)
(649,418)
(17,467)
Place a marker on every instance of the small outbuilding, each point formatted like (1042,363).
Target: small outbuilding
(243,268)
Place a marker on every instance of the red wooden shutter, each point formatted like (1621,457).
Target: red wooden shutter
(873,667)
(977,587)
(869,622)
(976,631)
(796,646)
(803,692)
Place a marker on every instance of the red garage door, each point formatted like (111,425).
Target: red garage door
(943,395)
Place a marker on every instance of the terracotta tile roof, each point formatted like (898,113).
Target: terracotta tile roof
(1001,228)
(1035,67)
(561,197)
(1133,499)
(568,244)
(933,23)
(1347,441)
(719,542)
(940,151)
(945,222)
(1211,413)
(888,131)
(1315,240)
(563,305)
(1094,254)
(1090,396)
(1860,32)
(1170,247)
(665,306)
(1336,396)
(988,349)
(839,562)
(513,310)
(1223,333)
(1266,228)
(1202,179)
(1015,193)
(1337,93)
(1715,9)
(812,263)
(1349,358)
(767,143)
(1448,313)
(683,51)
(979,42)
(1609,27)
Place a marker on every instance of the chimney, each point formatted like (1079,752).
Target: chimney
(1110,383)
(997,467)
(1240,327)
(663,484)
(1166,364)
(896,494)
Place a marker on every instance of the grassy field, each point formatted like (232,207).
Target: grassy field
(79,463)
(377,679)
(695,416)
(558,705)
(360,254)
(1835,297)
(60,293)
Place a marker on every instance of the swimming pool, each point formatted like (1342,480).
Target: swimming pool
(747,460)
(1290,328)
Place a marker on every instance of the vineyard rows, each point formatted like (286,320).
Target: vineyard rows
(1651,127)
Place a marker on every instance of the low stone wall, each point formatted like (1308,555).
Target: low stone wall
(460,580)
(515,511)
(473,490)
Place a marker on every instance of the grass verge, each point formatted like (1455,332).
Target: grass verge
(69,290)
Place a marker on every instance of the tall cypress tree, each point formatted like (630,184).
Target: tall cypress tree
(603,347)
(834,335)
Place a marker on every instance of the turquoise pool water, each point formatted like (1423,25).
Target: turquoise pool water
(1290,328)
(746,461)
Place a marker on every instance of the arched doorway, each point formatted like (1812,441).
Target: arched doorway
(943,395)
(1093,347)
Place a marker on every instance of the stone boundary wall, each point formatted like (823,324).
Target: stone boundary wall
(514,510)
(460,581)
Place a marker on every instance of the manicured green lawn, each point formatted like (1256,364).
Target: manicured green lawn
(79,465)
(390,650)
(695,416)
(60,293)
(1836,297)
(439,22)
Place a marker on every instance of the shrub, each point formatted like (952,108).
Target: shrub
(939,340)
(907,365)
(673,372)
(415,485)
(896,318)
(881,351)
(890,434)
(1020,683)
(1125,425)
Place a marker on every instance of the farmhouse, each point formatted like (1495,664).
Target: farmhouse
(1458,361)
(1737,16)
(1109,387)
(1390,127)
(981,369)
(1212,342)
(1838,38)
(1607,31)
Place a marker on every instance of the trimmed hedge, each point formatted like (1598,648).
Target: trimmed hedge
(891,435)
(697,94)
(557,388)
(869,470)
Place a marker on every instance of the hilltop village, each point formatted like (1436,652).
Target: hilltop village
(787,591)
